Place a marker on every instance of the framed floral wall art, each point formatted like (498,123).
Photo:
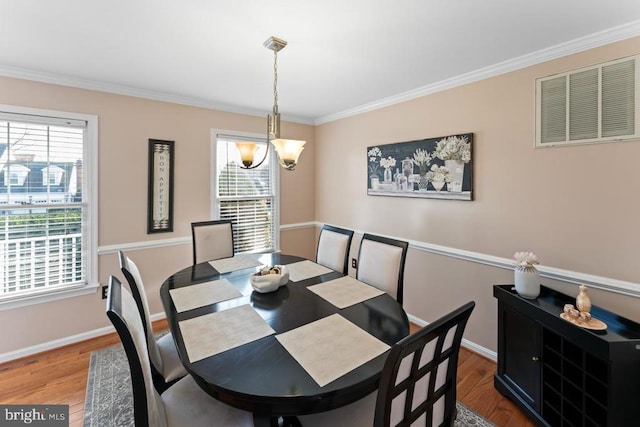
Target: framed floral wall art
(438,168)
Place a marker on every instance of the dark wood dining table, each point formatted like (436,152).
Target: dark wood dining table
(261,376)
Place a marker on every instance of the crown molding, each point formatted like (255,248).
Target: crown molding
(62,80)
(581,44)
(591,41)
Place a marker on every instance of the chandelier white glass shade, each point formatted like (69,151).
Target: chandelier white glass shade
(288,150)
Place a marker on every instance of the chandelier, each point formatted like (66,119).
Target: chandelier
(288,150)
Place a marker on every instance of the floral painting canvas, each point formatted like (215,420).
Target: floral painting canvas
(439,168)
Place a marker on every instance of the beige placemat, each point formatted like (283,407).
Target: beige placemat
(214,333)
(239,262)
(302,270)
(345,291)
(190,297)
(331,347)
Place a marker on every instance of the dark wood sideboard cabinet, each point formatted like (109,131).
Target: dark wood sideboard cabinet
(561,374)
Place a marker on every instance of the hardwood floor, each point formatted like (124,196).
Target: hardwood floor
(60,377)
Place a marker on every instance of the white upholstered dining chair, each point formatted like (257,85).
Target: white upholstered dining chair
(334,244)
(183,404)
(165,362)
(381,264)
(417,384)
(212,240)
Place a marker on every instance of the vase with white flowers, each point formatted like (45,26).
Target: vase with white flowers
(387,164)
(438,176)
(374,155)
(455,151)
(527,277)
(422,159)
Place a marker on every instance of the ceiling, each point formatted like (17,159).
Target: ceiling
(343,56)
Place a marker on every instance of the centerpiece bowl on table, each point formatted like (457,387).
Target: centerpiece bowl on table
(269,279)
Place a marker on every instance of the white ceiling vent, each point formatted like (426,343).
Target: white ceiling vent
(600,103)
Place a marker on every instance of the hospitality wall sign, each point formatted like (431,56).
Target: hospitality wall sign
(160,193)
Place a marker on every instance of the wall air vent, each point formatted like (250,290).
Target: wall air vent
(600,103)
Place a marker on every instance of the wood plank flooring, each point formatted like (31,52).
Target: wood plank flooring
(60,377)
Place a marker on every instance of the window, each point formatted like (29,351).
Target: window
(47,211)
(52,175)
(16,174)
(593,104)
(248,197)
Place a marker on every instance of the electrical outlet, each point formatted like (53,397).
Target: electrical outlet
(354,263)
(104,292)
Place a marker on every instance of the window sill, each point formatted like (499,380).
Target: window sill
(10,302)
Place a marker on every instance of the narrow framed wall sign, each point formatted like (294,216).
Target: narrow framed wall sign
(160,193)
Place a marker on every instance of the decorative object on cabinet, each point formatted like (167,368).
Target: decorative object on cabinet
(562,375)
(160,190)
(583,302)
(526,275)
(440,168)
(582,318)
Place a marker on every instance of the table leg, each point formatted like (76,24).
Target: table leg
(291,422)
(264,420)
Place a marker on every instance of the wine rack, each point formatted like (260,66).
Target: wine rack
(561,374)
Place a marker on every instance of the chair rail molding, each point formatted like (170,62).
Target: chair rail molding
(599,282)
(149,244)
(577,278)
(161,243)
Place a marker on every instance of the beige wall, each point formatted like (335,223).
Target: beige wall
(125,125)
(549,201)
(576,207)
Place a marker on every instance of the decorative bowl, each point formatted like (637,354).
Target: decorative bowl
(269,279)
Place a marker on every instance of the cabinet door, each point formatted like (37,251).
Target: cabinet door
(520,362)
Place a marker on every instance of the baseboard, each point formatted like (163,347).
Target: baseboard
(469,345)
(73,339)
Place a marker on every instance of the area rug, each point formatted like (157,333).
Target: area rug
(109,400)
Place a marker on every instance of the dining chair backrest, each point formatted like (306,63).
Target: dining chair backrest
(418,381)
(212,240)
(334,244)
(132,274)
(148,409)
(381,264)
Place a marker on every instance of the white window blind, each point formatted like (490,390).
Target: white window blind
(592,104)
(42,245)
(248,197)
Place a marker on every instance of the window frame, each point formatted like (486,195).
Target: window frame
(275,177)
(90,217)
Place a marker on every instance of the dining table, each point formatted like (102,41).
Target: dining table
(300,349)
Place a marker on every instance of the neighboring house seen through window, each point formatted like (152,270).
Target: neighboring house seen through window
(248,197)
(47,208)
(15,174)
(52,175)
